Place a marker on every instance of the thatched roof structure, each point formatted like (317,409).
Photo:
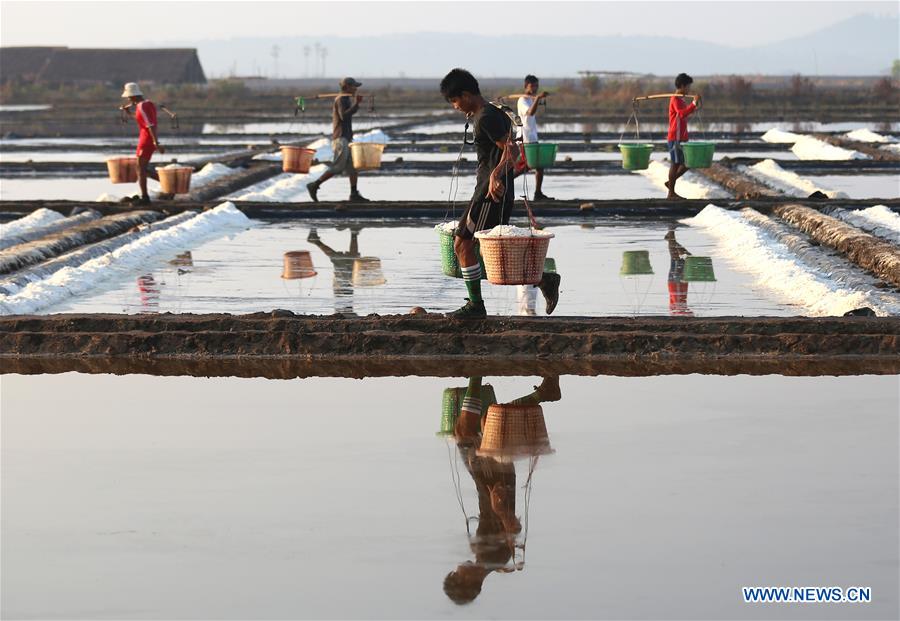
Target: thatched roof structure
(54,65)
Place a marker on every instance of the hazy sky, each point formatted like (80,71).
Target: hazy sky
(122,23)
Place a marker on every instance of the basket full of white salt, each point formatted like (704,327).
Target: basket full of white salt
(514,255)
(175,179)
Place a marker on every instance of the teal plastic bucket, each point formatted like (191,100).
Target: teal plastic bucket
(540,154)
(635,156)
(698,269)
(698,154)
(449,262)
(636,263)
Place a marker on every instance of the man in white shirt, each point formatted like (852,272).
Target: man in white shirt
(527,109)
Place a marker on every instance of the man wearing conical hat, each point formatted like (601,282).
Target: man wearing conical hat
(144,113)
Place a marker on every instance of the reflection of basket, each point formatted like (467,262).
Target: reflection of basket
(698,269)
(514,260)
(298,264)
(122,169)
(512,431)
(184,259)
(175,180)
(636,263)
(366,155)
(367,272)
(550,265)
(296,159)
(449,260)
(451,406)
(540,155)
(635,156)
(698,154)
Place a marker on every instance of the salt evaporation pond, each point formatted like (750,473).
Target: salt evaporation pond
(861,186)
(242,273)
(183,497)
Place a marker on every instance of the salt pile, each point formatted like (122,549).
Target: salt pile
(691,185)
(750,249)
(508,230)
(38,217)
(122,262)
(879,221)
(867,135)
(809,148)
(792,184)
(446,227)
(779,136)
(209,173)
(286,187)
(882,216)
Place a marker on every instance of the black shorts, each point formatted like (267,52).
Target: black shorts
(483,213)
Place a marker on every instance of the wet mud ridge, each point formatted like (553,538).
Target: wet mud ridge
(496,340)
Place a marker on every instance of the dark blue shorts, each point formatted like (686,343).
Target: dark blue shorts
(676,155)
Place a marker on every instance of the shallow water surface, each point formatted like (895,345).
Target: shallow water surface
(657,497)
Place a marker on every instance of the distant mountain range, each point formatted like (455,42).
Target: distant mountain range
(861,45)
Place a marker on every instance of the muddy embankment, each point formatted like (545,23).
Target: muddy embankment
(867,251)
(281,334)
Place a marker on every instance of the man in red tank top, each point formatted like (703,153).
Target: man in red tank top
(679,112)
(144,113)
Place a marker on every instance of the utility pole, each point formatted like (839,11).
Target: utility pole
(275,52)
(324,56)
(306,51)
(318,48)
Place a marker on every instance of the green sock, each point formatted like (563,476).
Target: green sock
(472,277)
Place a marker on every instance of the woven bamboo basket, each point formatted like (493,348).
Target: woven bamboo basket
(298,264)
(514,431)
(367,272)
(122,169)
(514,260)
(175,180)
(296,159)
(366,155)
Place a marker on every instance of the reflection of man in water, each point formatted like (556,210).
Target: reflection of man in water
(149,292)
(342,285)
(678,289)
(494,542)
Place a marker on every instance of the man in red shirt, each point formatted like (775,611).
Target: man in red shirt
(678,133)
(144,114)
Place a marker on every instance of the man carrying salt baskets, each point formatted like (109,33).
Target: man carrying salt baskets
(144,114)
(345,106)
(492,202)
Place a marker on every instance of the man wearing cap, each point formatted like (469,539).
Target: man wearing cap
(345,106)
(144,114)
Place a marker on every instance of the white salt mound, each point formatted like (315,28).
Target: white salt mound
(123,261)
(508,230)
(882,216)
(779,136)
(446,227)
(809,148)
(866,135)
(751,249)
(792,184)
(691,185)
(38,217)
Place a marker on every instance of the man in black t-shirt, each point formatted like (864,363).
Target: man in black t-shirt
(492,201)
(345,106)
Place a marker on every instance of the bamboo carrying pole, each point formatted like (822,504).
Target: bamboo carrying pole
(660,96)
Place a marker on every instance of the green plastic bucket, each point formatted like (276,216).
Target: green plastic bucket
(550,265)
(449,262)
(698,269)
(451,406)
(636,263)
(540,154)
(635,156)
(698,154)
